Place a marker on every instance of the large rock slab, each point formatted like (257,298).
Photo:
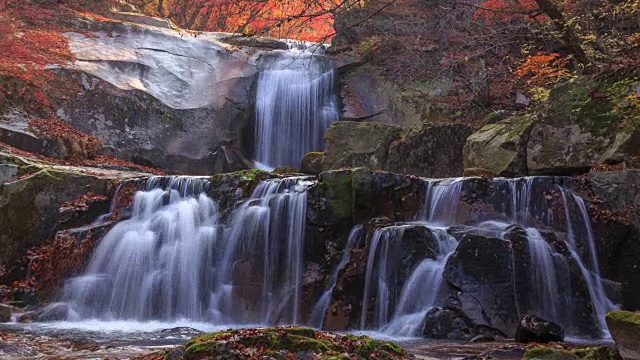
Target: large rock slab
(482,269)
(432,150)
(165,98)
(625,330)
(29,206)
(500,148)
(579,129)
(353,144)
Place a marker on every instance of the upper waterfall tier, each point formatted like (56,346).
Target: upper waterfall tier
(295,104)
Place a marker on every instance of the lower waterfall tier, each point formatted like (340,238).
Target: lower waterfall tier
(353,249)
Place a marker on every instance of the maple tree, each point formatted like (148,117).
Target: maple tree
(297,19)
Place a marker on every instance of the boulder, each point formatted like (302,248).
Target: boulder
(482,269)
(446,324)
(618,236)
(367,96)
(432,150)
(625,330)
(500,148)
(352,144)
(579,130)
(286,343)
(53,312)
(535,329)
(549,354)
(312,163)
(29,207)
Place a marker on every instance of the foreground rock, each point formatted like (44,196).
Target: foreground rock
(535,329)
(283,343)
(625,330)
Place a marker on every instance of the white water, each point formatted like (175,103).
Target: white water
(420,291)
(295,104)
(321,306)
(548,270)
(174,259)
(591,274)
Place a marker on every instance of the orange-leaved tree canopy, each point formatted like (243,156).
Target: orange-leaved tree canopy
(298,19)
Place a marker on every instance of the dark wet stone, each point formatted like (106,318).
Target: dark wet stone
(535,329)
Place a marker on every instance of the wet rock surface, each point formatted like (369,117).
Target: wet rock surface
(535,329)
(625,330)
(284,343)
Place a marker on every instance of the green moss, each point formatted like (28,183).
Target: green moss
(337,187)
(282,343)
(627,317)
(286,170)
(598,353)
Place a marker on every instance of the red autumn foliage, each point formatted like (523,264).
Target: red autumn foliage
(543,68)
(98,160)
(54,261)
(497,11)
(53,128)
(82,203)
(297,19)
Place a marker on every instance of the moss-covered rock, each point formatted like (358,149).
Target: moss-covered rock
(598,353)
(625,330)
(431,150)
(352,144)
(586,121)
(30,205)
(285,343)
(549,354)
(312,163)
(500,148)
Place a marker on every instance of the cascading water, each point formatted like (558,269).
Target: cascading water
(591,273)
(266,237)
(547,271)
(295,104)
(321,306)
(175,259)
(421,290)
(144,267)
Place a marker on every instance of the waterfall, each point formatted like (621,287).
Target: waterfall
(156,264)
(175,258)
(321,306)
(266,237)
(420,292)
(295,104)
(591,273)
(524,205)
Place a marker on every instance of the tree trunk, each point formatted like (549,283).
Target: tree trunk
(571,40)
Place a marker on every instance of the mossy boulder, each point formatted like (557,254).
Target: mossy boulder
(431,150)
(312,163)
(586,121)
(285,343)
(352,144)
(625,330)
(500,148)
(30,205)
